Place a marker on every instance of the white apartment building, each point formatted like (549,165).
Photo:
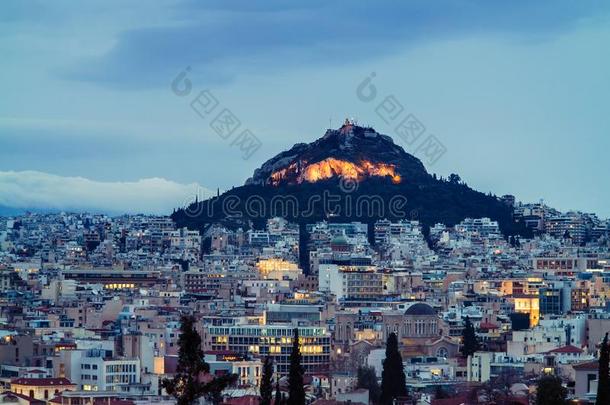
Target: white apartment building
(572,223)
(249,372)
(575,328)
(92,370)
(537,340)
(350,281)
(482,366)
(478,367)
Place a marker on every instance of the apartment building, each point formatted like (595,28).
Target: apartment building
(274,341)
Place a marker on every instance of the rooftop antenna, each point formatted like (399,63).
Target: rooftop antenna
(330,122)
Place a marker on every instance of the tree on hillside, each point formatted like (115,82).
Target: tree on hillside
(603,381)
(296,389)
(551,391)
(393,381)
(186,385)
(267,382)
(367,379)
(470,342)
(454,178)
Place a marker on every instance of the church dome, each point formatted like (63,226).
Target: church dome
(419,308)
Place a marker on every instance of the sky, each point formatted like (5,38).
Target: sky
(94,114)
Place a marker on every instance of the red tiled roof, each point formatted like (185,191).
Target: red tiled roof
(488,325)
(65,345)
(566,349)
(463,399)
(40,382)
(245,400)
(457,400)
(587,365)
(24,397)
(112,401)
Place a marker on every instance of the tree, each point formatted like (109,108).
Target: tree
(296,389)
(441,393)
(470,342)
(454,178)
(393,382)
(186,385)
(603,381)
(267,382)
(497,389)
(550,391)
(367,379)
(278,393)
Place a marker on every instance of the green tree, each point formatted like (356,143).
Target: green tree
(296,389)
(186,386)
(393,382)
(470,342)
(551,391)
(367,379)
(267,382)
(603,381)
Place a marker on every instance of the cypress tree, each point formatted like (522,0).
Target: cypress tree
(267,382)
(185,386)
(603,379)
(278,393)
(296,389)
(393,381)
(470,342)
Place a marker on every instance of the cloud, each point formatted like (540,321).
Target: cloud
(224,39)
(44,191)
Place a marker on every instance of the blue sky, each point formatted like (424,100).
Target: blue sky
(517,92)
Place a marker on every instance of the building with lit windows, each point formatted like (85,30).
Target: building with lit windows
(572,225)
(552,301)
(114,278)
(350,279)
(528,304)
(274,341)
(277,269)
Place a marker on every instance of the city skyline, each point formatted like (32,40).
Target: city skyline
(308,202)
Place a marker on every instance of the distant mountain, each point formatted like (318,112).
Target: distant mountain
(12,212)
(349,174)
